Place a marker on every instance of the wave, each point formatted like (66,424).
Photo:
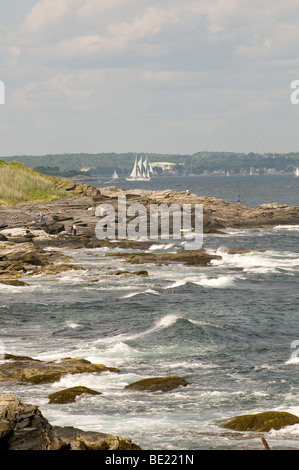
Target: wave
(204,323)
(164,322)
(287,227)
(221,282)
(178,283)
(134,294)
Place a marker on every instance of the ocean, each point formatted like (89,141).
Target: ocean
(231,330)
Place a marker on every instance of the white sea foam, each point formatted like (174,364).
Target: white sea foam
(175,284)
(257,262)
(73,325)
(134,294)
(161,247)
(221,282)
(287,227)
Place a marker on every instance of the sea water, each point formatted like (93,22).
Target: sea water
(230,329)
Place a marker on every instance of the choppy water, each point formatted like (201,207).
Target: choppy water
(227,331)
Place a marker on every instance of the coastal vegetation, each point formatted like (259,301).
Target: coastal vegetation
(21,184)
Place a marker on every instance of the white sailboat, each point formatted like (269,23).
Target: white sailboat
(115,175)
(297,172)
(142,170)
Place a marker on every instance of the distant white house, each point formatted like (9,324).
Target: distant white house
(164,165)
(85,169)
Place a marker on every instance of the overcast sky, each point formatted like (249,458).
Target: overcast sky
(166,76)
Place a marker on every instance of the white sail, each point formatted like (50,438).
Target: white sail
(297,172)
(140,170)
(134,171)
(115,175)
(140,166)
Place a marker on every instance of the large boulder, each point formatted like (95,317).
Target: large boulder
(158,384)
(23,427)
(69,395)
(262,422)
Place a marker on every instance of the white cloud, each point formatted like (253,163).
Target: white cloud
(46,13)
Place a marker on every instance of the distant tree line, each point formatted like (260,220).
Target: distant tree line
(105,163)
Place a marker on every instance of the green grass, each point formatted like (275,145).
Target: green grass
(19,183)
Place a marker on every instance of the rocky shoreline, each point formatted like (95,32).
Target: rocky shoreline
(25,237)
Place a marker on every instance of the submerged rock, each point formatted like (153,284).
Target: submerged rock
(69,395)
(155,384)
(262,422)
(23,427)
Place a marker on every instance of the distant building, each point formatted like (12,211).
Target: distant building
(86,169)
(166,166)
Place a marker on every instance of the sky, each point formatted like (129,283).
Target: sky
(154,76)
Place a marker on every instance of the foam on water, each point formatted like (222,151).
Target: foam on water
(221,282)
(161,247)
(134,294)
(176,284)
(257,262)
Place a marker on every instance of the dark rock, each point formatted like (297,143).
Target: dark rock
(262,422)
(23,427)
(69,395)
(163,384)
(54,228)
(14,282)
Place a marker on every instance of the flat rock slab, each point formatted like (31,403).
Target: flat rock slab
(188,257)
(26,369)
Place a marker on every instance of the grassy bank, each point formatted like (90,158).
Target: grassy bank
(19,183)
